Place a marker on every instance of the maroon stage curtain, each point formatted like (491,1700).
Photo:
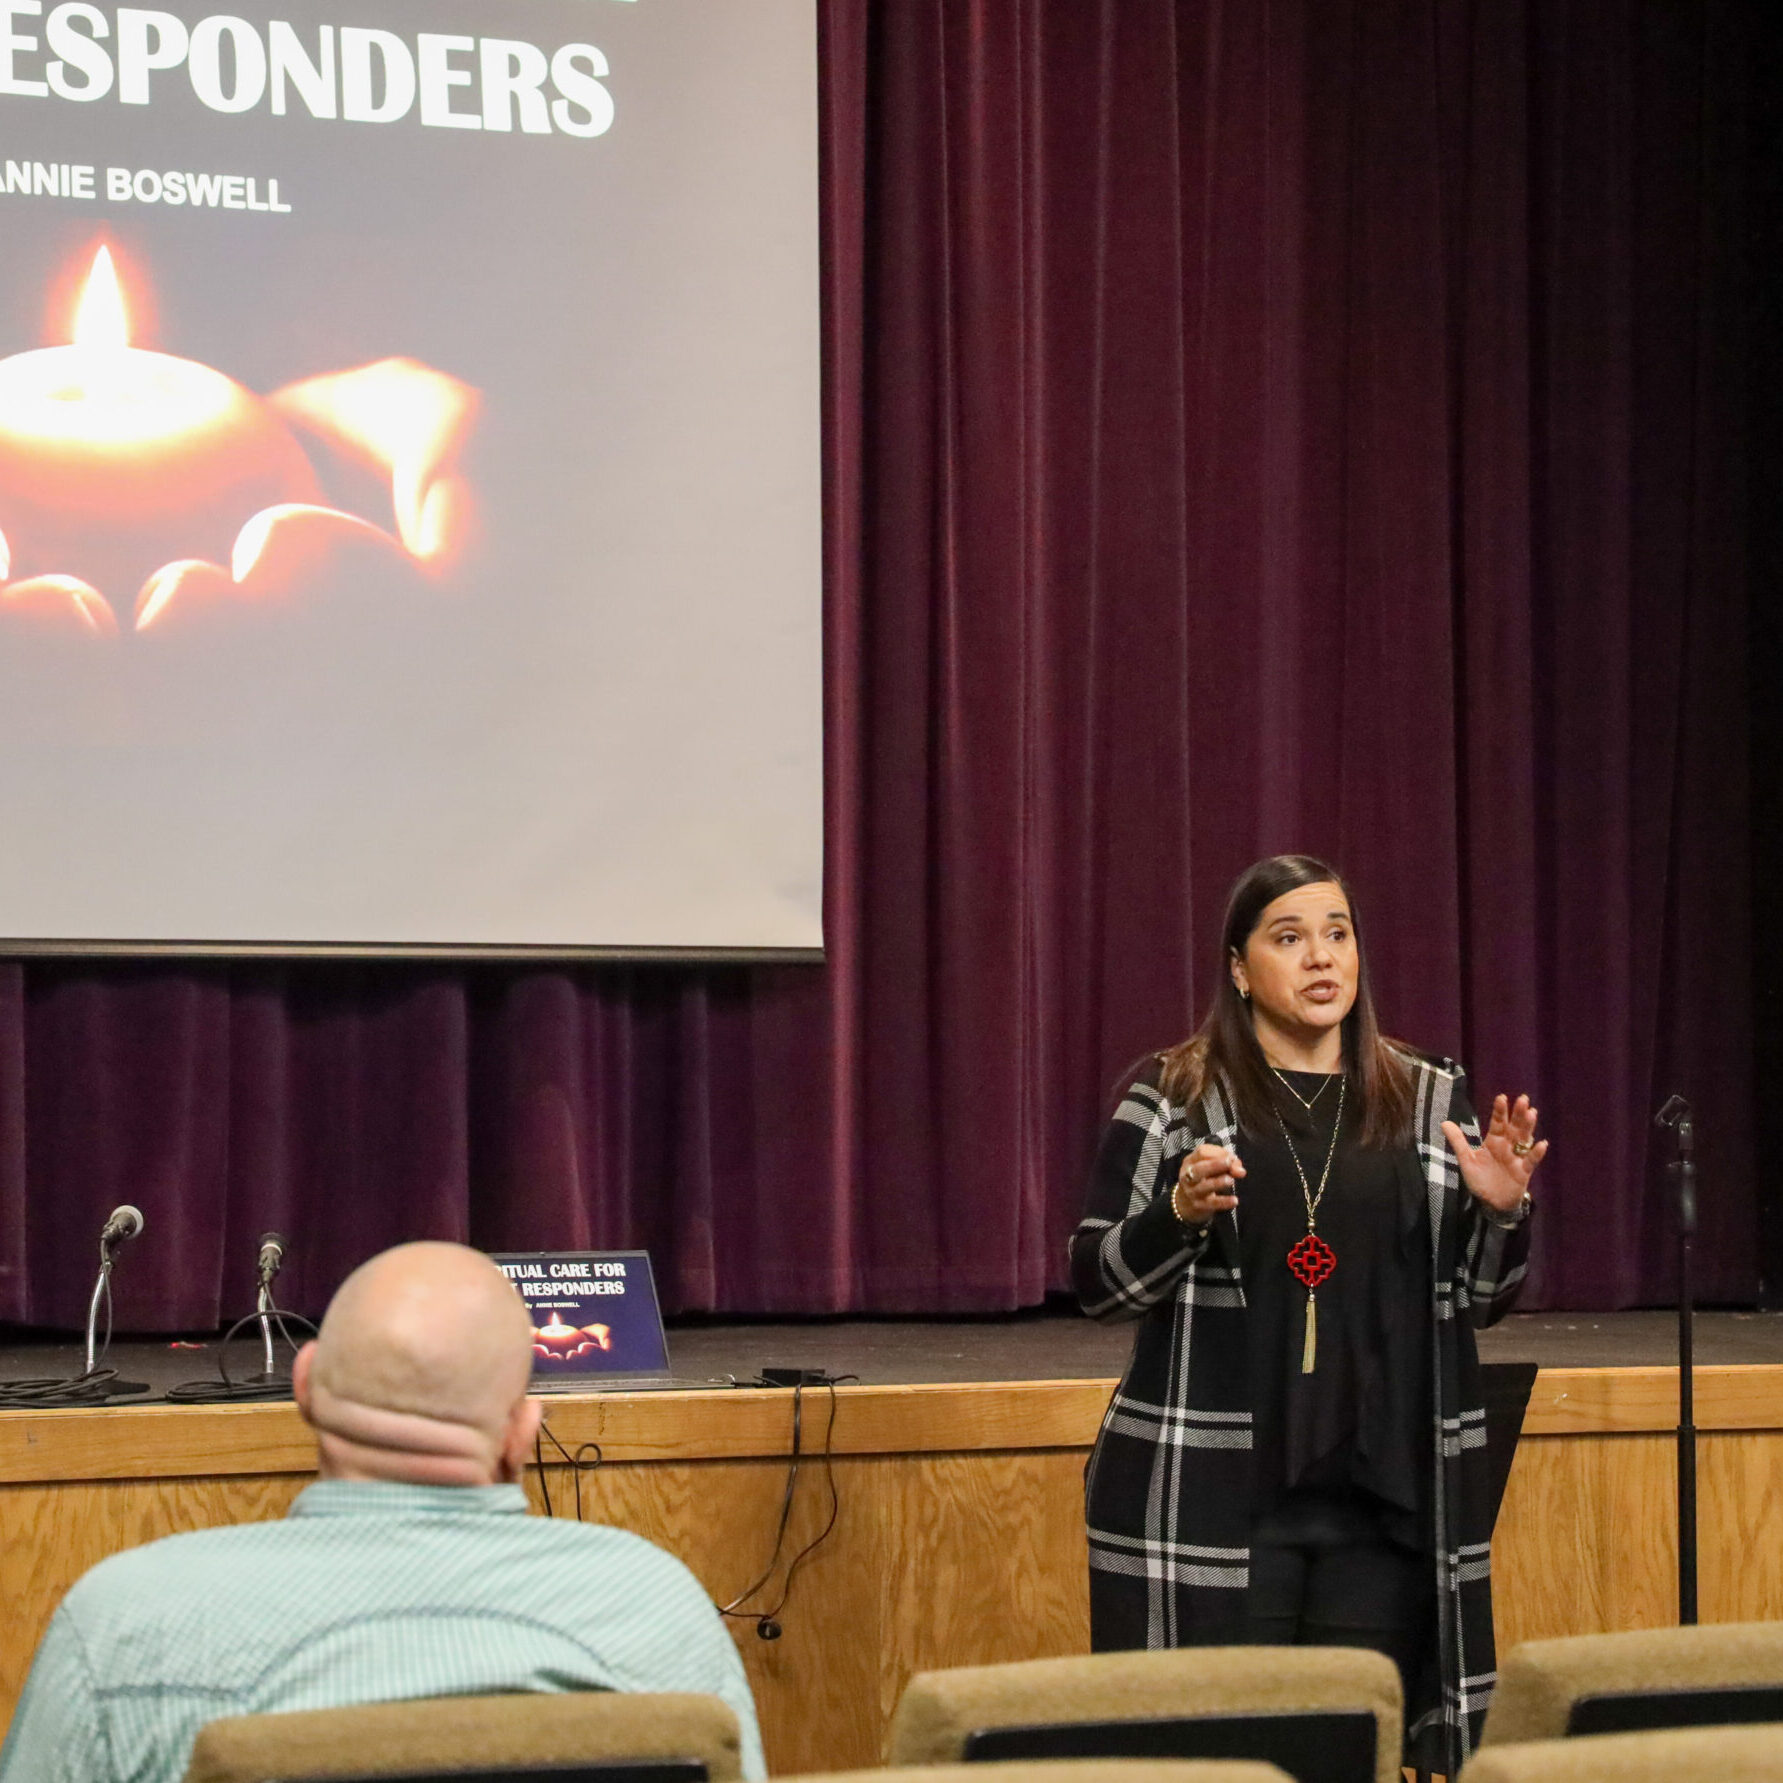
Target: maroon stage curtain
(1249,428)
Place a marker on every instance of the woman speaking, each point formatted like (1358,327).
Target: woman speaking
(1305,1219)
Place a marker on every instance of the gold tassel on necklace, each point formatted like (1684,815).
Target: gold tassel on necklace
(1310,1349)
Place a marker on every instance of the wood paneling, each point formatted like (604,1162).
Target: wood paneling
(1739,1483)
(161,1441)
(1587,1538)
(1592,1401)
(959,1538)
(1584,1539)
(154,1442)
(719,1517)
(982,1559)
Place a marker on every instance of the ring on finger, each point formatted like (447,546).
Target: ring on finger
(1522,1147)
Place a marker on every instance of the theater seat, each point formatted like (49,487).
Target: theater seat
(474,1734)
(1724,1673)
(1340,1705)
(1675,1755)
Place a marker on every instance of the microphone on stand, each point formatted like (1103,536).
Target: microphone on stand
(123,1225)
(225,1388)
(272,1258)
(94,1385)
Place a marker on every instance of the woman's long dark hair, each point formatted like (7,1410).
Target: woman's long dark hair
(1224,1049)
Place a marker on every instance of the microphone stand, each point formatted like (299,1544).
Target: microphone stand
(101,1288)
(95,1384)
(102,1293)
(268,1383)
(224,1388)
(263,1306)
(1676,1114)
(266,1311)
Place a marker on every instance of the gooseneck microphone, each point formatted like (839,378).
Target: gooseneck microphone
(125,1223)
(273,1322)
(94,1385)
(272,1257)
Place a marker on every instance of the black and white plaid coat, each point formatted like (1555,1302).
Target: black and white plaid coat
(1169,1484)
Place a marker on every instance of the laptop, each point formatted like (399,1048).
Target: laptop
(596,1321)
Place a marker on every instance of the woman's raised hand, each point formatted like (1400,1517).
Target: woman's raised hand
(1207,1184)
(1497,1171)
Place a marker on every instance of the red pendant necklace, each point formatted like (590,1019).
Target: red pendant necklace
(1312,1260)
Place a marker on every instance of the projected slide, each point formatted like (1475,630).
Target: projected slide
(409,475)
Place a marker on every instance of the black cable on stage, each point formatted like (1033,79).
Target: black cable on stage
(577,1464)
(250,1389)
(733,1608)
(538,1461)
(94,1386)
(767,1622)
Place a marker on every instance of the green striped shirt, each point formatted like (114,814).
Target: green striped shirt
(364,1593)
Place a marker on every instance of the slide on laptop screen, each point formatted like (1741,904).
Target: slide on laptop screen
(596,1321)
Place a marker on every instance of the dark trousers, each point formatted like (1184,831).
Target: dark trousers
(1325,1573)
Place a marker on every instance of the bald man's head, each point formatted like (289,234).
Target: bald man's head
(420,1371)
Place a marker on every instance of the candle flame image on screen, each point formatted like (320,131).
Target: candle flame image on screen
(137,487)
(558,1341)
(99,319)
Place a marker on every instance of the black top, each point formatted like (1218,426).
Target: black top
(1362,1419)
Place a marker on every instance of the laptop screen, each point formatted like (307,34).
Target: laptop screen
(594,1313)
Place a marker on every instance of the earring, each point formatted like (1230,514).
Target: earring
(1244,993)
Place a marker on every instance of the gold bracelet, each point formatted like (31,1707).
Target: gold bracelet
(1176,1189)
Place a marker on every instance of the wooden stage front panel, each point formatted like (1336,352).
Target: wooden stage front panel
(960,1534)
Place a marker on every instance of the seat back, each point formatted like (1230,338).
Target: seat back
(1674,1755)
(1587,1683)
(1322,1714)
(1311,1746)
(1635,1711)
(1162,1770)
(622,1770)
(565,1737)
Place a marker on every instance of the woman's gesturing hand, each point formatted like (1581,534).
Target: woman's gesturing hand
(1498,1171)
(1207,1184)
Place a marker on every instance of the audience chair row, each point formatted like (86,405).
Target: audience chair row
(1661,1704)
(1707,1699)
(580,1738)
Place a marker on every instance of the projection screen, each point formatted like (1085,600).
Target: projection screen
(409,476)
